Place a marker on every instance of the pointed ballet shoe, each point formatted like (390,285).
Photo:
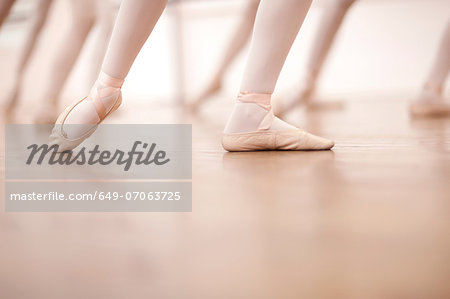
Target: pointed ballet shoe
(430,108)
(274,140)
(59,137)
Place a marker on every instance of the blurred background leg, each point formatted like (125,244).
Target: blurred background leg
(238,41)
(5,7)
(431,100)
(37,23)
(69,48)
(330,21)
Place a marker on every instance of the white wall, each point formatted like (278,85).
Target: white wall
(384,45)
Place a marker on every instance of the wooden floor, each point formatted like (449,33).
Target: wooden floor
(370,219)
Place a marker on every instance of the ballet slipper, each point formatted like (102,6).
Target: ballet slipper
(430,108)
(266,138)
(430,103)
(59,136)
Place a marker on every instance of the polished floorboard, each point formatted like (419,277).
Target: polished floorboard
(369,219)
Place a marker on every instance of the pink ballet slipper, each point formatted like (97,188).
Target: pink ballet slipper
(430,103)
(267,138)
(59,136)
(430,108)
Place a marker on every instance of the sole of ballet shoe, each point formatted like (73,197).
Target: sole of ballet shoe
(430,109)
(59,137)
(295,140)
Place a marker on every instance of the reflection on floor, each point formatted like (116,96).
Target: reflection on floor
(369,219)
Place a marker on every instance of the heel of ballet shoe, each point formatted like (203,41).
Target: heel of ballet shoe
(117,104)
(252,141)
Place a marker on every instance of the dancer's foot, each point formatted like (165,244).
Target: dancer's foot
(78,121)
(47,113)
(430,103)
(213,87)
(252,126)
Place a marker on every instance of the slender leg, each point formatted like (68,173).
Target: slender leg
(135,22)
(37,23)
(105,15)
(330,21)
(252,125)
(430,101)
(69,49)
(441,64)
(238,41)
(5,8)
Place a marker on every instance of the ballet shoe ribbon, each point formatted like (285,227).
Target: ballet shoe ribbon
(262,100)
(107,80)
(111,85)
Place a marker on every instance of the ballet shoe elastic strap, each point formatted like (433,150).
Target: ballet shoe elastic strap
(262,100)
(110,81)
(109,86)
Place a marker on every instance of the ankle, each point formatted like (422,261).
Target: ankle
(105,92)
(107,80)
(431,92)
(252,112)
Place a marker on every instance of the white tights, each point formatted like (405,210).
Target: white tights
(134,24)
(276,26)
(441,66)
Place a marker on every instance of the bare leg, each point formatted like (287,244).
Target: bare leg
(431,101)
(135,22)
(5,8)
(252,125)
(38,21)
(239,40)
(329,24)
